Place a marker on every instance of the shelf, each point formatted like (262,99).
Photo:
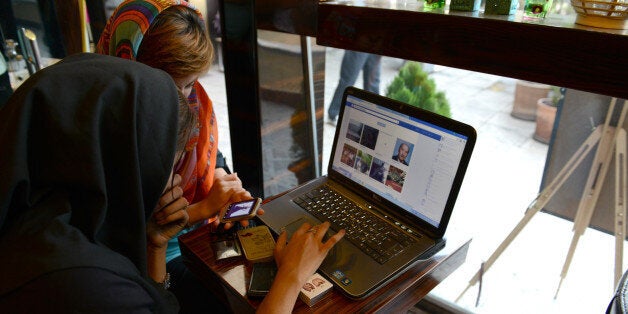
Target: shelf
(555,52)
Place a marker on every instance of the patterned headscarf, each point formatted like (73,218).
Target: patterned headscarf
(126,28)
(122,38)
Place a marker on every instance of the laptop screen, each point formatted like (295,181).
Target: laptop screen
(403,159)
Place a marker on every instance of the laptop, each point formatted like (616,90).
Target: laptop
(393,177)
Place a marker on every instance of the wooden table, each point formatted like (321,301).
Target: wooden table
(229,279)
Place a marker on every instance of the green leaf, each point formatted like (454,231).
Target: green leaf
(413,86)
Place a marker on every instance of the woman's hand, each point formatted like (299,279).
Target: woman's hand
(228,225)
(297,260)
(305,251)
(170,215)
(226,189)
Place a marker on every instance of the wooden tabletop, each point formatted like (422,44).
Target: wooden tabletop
(229,279)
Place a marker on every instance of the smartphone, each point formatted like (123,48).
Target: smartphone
(262,278)
(240,210)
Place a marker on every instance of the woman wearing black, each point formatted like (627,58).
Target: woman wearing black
(88,147)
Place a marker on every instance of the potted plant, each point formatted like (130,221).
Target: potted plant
(526,96)
(412,86)
(546,113)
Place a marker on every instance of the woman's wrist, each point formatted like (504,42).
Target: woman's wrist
(156,263)
(165,282)
(156,248)
(289,278)
(200,211)
(283,293)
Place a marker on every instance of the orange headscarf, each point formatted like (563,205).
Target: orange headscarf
(122,37)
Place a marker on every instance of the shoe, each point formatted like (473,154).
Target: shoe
(332,121)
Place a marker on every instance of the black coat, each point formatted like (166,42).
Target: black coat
(87,147)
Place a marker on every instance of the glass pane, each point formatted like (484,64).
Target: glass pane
(505,175)
(288,154)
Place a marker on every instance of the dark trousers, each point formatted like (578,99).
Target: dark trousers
(352,63)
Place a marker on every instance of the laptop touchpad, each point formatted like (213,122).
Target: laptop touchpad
(295,225)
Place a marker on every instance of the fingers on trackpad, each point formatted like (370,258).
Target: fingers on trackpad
(295,225)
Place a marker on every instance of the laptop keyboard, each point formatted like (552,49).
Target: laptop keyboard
(372,234)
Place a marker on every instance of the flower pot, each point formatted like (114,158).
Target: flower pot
(526,96)
(545,116)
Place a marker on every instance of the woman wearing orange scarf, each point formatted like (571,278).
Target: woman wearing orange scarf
(170,35)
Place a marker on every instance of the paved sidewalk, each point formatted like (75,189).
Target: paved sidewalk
(503,178)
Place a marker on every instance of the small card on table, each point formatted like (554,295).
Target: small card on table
(257,243)
(315,289)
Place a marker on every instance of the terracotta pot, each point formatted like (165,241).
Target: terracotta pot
(526,96)
(545,116)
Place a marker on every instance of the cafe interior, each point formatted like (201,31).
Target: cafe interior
(538,223)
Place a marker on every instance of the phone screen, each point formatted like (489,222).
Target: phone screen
(239,209)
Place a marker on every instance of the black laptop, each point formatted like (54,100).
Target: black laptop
(393,178)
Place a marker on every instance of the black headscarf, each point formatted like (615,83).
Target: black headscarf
(86,149)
